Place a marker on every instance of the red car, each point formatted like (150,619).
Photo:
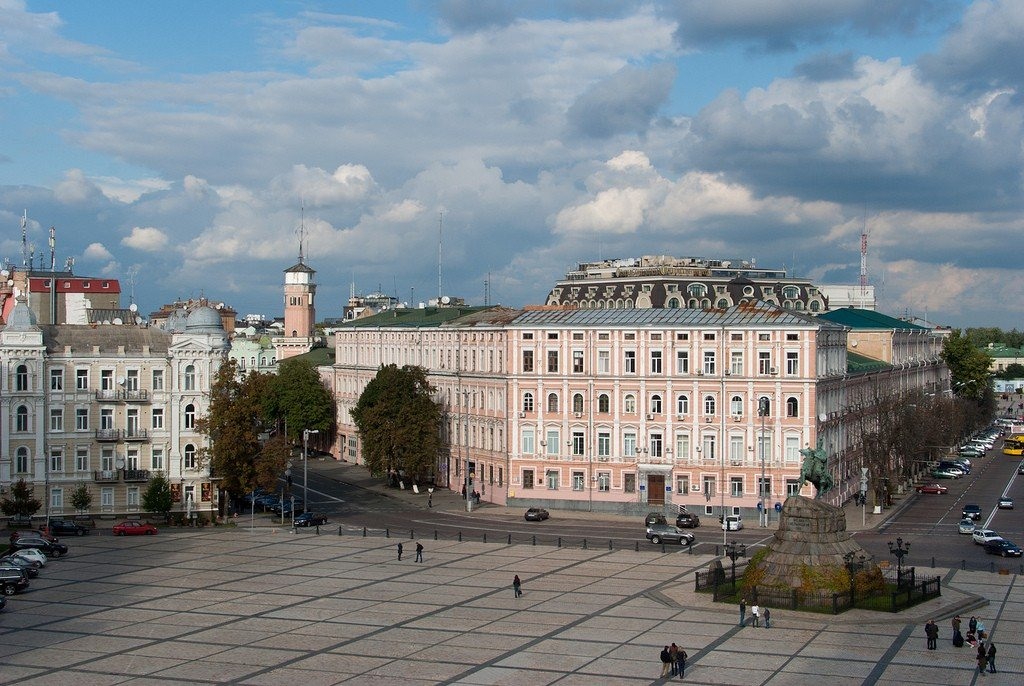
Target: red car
(133,527)
(935,489)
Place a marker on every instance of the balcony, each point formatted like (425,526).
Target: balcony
(105,476)
(121,395)
(108,434)
(135,434)
(136,475)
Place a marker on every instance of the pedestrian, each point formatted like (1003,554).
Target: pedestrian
(981,631)
(956,623)
(755,612)
(673,656)
(958,638)
(982,658)
(430,500)
(972,625)
(419,551)
(665,658)
(517,586)
(767,618)
(743,611)
(681,662)
(399,552)
(991,657)
(931,631)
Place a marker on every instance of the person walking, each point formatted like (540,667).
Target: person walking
(517,586)
(982,658)
(665,658)
(743,611)
(399,552)
(767,618)
(991,657)
(755,613)
(931,632)
(681,662)
(673,655)
(972,625)
(419,551)
(430,500)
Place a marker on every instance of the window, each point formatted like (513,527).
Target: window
(107,460)
(577,443)
(106,497)
(736,486)
(697,290)
(158,379)
(683,404)
(57,498)
(190,416)
(603,403)
(158,458)
(552,441)
(764,406)
(56,460)
(682,446)
(736,362)
(190,378)
(190,456)
(133,496)
(792,487)
(790,292)
(527,360)
(682,362)
(106,418)
(655,404)
(710,485)
(683,484)
(552,362)
(603,361)
(82,379)
(792,449)
(21,419)
(81,419)
(604,445)
(629,444)
(528,447)
(131,382)
(527,335)
(792,407)
(629,483)
(709,404)
(21,377)
(577,481)
(21,461)
(552,402)
(551,478)
(656,445)
(735,449)
(56,379)
(81,459)
(709,361)
(629,404)
(792,363)
(764,487)
(736,406)
(131,422)
(764,362)
(106,379)
(56,419)
(158,417)
(527,402)
(604,482)
(655,362)
(710,447)
(629,362)
(577,403)
(577,361)
(764,447)
(528,478)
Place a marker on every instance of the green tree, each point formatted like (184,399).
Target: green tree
(1014,370)
(21,501)
(157,496)
(399,422)
(81,498)
(968,367)
(297,396)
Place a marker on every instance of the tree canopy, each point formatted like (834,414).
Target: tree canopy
(298,396)
(157,496)
(399,422)
(969,366)
(21,501)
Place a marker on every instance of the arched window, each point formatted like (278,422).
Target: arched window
(748,291)
(683,404)
(629,404)
(552,402)
(673,303)
(697,290)
(764,405)
(190,378)
(577,403)
(655,404)
(790,292)
(709,404)
(603,403)
(815,306)
(736,406)
(190,416)
(21,461)
(792,407)
(723,303)
(21,377)
(527,402)
(21,418)
(190,456)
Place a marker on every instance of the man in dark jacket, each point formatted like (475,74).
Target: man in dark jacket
(992,657)
(931,631)
(666,662)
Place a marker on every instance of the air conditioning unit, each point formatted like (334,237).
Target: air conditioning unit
(727,372)
(773,370)
(736,417)
(700,372)
(680,417)
(650,417)
(522,415)
(708,420)
(579,415)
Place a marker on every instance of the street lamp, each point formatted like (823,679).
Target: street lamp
(305,461)
(732,551)
(762,412)
(854,561)
(900,550)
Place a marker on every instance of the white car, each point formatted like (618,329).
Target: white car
(983,536)
(32,555)
(732,523)
(966,526)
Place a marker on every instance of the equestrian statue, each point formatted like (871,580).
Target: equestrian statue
(815,469)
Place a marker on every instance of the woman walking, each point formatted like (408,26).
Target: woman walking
(517,586)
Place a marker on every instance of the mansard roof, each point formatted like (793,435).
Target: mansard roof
(856,318)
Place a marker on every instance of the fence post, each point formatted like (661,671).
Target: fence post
(835,603)
(793,599)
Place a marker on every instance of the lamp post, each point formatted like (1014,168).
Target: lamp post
(762,412)
(305,471)
(900,550)
(468,483)
(853,561)
(732,551)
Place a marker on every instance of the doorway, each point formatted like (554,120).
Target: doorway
(656,489)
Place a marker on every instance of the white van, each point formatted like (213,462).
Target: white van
(732,523)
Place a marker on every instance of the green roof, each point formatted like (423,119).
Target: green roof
(1003,351)
(856,318)
(859,364)
(319,357)
(412,317)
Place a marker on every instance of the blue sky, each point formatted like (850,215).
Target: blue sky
(181,139)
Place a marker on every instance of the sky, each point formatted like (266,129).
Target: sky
(181,146)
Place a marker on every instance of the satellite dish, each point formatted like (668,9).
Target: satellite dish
(133,307)
(117,320)
(138,320)
(120,381)
(4,273)
(119,463)
(445,300)
(822,417)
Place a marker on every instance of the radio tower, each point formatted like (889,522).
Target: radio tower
(864,260)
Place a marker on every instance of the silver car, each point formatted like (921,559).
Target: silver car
(656,533)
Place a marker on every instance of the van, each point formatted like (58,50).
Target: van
(733,523)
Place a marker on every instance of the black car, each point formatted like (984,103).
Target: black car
(66,526)
(12,580)
(1003,547)
(654,518)
(310,519)
(536,514)
(48,548)
(687,520)
(31,568)
(656,533)
(972,511)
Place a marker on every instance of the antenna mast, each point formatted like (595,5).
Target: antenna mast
(302,228)
(864,259)
(26,261)
(53,249)
(440,218)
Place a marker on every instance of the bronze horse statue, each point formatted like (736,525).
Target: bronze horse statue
(815,468)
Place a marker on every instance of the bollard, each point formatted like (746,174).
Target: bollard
(485,537)
(609,544)
(339,530)
(364,532)
(663,548)
(412,534)
(460,536)
(510,539)
(387,533)
(992,567)
(435,534)
(963,565)
(689,547)
(584,544)
(317,529)
(535,539)
(559,541)
(637,546)
(933,562)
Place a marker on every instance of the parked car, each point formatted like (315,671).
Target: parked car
(49,548)
(310,519)
(1005,503)
(31,555)
(983,536)
(946,474)
(285,507)
(687,520)
(934,489)
(133,527)
(12,580)
(65,526)
(971,511)
(655,518)
(733,523)
(966,526)
(536,514)
(1002,547)
(656,533)
(3,601)
(1020,468)
(30,568)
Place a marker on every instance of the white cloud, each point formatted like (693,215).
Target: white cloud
(97,252)
(147,239)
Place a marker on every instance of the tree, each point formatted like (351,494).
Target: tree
(81,498)
(968,366)
(21,502)
(157,496)
(298,396)
(399,422)
(1014,370)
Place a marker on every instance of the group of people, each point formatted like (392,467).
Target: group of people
(673,661)
(755,614)
(976,636)
(419,551)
